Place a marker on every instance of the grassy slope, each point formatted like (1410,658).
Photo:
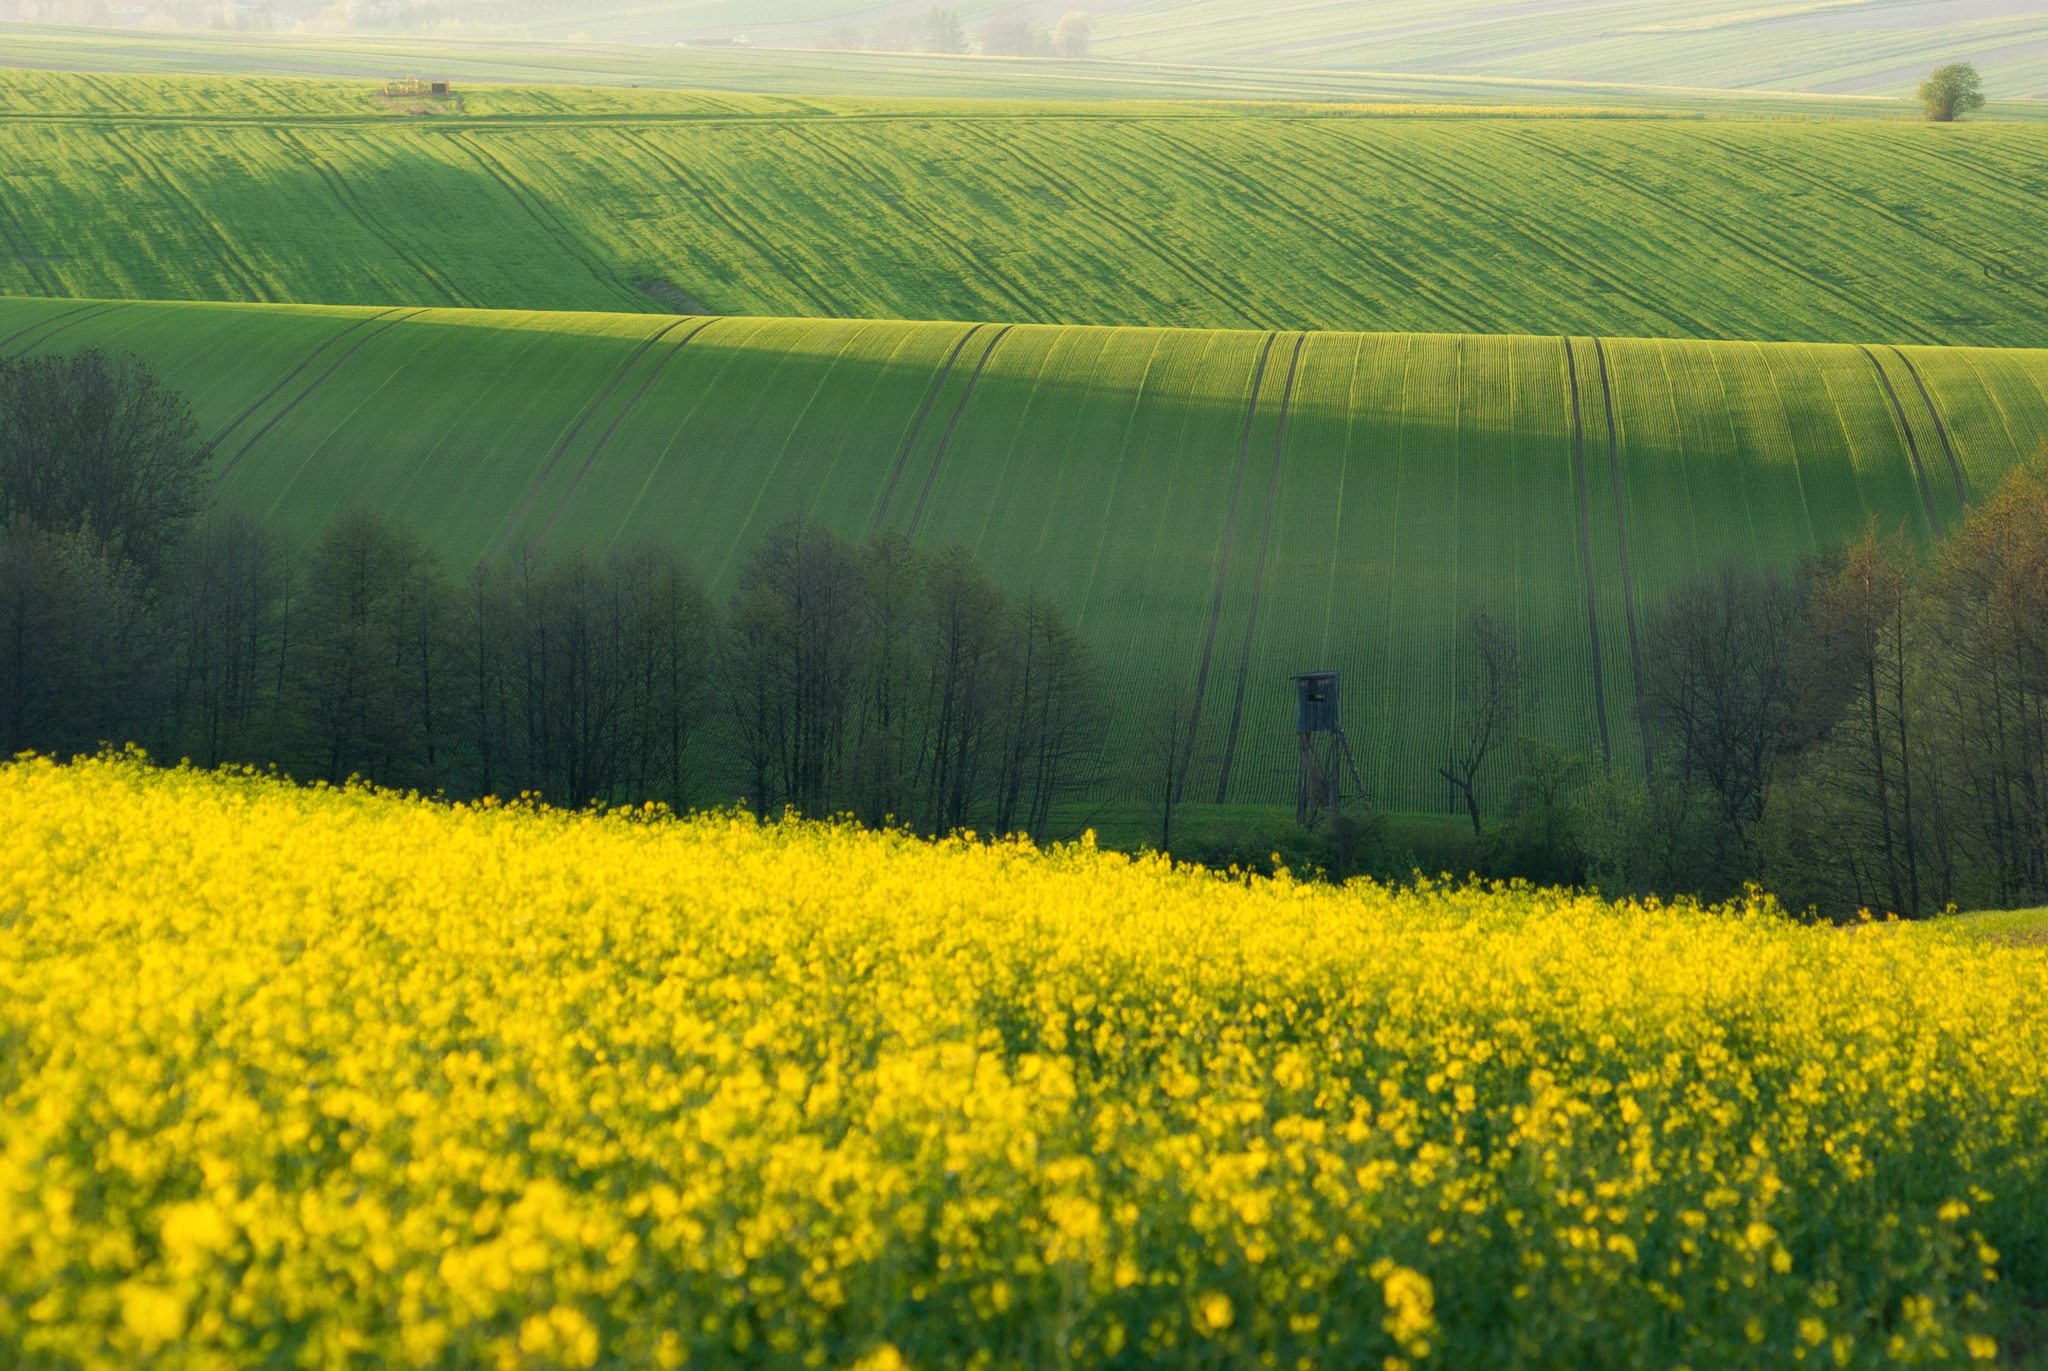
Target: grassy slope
(1199,216)
(1416,476)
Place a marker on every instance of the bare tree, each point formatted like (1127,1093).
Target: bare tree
(1992,593)
(1864,641)
(1491,693)
(1720,696)
(793,655)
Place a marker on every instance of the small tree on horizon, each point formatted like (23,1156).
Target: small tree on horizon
(1951,90)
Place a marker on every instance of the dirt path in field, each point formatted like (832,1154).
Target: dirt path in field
(1912,445)
(1571,362)
(547,468)
(939,458)
(617,419)
(1251,622)
(924,410)
(1244,445)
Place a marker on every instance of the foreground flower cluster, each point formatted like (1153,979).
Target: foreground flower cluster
(323,1078)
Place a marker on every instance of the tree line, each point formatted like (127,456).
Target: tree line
(1869,731)
(879,680)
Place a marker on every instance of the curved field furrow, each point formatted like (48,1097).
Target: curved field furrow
(1251,617)
(1948,450)
(1586,549)
(1628,583)
(1912,444)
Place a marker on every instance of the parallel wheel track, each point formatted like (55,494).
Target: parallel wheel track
(1586,553)
(1244,444)
(1934,520)
(1955,468)
(613,427)
(916,427)
(547,468)
(939,457)
(1628,583)
(1251,622)
(302,396)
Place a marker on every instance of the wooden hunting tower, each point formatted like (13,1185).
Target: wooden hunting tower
(1325,751)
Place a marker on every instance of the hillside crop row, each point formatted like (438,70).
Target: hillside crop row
(161,189)
(1217,510)
(316,1075)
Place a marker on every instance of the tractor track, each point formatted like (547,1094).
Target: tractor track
(1251,621)
(1185,267)
(1244,444)
(605,441)
(1762,252)
(969,265)
(1546,245)
(25,254)
(223,251)
(939,458)
(1586,554)
(301,397)
(916,427)
(547,223)
(260,401)
(1934,520)
(1955,468)
(1628,582)
(45,323)
(348,200)
(1351,246)
(547,468)
(735,224)
(1879,209)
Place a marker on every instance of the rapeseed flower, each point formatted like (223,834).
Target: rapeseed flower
(332,1078)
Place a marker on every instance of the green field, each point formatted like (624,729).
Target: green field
(1145,477)
(1193,216)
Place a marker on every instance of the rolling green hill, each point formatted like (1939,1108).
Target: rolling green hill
(1217,509)
(1188,215)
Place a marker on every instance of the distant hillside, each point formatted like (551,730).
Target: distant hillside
(1260,216)
(1218,510)
(1869,47)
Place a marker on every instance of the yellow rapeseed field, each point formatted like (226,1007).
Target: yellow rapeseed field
(311,1077)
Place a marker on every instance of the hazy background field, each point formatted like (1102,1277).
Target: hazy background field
(1870,47)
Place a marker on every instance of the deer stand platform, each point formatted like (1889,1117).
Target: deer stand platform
(1326,757)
